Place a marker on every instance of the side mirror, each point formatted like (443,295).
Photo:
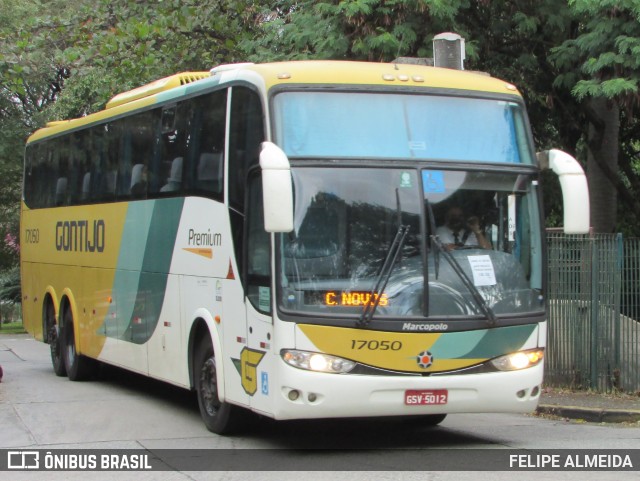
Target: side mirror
(277,189)
(575,191)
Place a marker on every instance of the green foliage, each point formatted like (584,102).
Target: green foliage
(12,328)
(350,29)
(119,45)
(10,291)
(602,59)
(62,59)
(599,59)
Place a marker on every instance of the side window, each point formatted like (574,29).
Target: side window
(38,175)
(80,180)
(258,250)
(172,150)
(104,148)
(62,171)
(143,128)
(206,166)
(245,136)
(55,163)
(176,146)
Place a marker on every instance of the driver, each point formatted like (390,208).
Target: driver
(456,232)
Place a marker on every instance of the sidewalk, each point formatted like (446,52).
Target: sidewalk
(590,406)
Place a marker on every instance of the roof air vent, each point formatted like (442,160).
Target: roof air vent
(448,51)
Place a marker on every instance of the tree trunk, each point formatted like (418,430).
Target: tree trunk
(602,163)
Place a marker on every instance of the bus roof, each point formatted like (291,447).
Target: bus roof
(329,72)
(311,72)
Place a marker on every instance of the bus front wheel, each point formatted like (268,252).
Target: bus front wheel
(219,417)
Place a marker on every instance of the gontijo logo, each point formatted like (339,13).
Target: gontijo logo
(80,235)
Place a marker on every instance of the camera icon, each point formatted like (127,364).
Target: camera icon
(23,460)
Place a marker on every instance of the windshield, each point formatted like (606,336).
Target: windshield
(347,227)
(401,126)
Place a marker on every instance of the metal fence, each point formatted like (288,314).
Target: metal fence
(594,312)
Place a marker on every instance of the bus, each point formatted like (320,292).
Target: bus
(266,235)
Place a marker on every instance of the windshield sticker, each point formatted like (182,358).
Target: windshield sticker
(264,298)
(482,269)
(512,218)
(418,145)
(405,179)
(433,181)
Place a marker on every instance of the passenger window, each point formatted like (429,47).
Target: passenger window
(207,164)
(245,136)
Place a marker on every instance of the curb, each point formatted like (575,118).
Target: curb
(593,415)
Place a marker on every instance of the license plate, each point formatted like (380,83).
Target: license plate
(426,397)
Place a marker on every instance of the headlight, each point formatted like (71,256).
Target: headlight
(315,361)
(518,360)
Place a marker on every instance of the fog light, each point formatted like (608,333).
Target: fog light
(294,395)
(312,397)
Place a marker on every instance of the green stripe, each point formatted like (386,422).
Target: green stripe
(144,260)
(483,344)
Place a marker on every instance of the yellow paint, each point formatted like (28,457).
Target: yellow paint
(379,74)
(396,351)
(249,360)
(155,87)
(85,278)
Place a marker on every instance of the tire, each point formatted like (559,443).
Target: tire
(53,338)
(57,358)
(219,417)
(78,367)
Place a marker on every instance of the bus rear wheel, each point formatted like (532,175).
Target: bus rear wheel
(219,417)
(78,367)
(53,338)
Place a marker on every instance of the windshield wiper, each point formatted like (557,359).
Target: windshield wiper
(477,297)
(383,277)
(432,229)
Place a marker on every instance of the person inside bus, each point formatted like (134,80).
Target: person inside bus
(459,231)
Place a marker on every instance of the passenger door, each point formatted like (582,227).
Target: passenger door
(258,356)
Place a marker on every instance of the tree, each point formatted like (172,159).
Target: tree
(64,59)
(372,30)
(119,45)
(575,62)
(601,67)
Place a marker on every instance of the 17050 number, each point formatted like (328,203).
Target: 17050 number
(373,345)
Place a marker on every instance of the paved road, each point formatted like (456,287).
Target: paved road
(120,410)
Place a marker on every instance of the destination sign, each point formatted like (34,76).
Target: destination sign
(344,298)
